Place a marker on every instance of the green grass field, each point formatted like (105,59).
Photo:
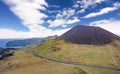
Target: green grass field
(24,62)
(101,55)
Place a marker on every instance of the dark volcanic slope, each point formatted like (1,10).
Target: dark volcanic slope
(89,35)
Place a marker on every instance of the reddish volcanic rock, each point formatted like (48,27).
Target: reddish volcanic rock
(89,35)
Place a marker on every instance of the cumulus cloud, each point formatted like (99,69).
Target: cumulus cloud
(64,18)
(28,11)
(117,4)
(111,25)
(75,19)
(84,4)
(66,13)
(76,5)
(54,6)
(103,11)
(62,22)
(8,33)
(57,22)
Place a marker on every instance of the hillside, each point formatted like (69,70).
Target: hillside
(101,55)
(89,35)
(24,62)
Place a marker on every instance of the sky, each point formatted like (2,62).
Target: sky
(42,18)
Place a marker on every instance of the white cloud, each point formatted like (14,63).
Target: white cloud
(63,18)
(56,23)
(66,13)
(99,1)
(28,10)
(75,19)
(111,25)
(75,5)
(31,17)
(62,22)
(117,4)
(55,6)
(60,32)
(81,11)
(84,4)
(40,31)
(53,11)
(104,11)
(8,33)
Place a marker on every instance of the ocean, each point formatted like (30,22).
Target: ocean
(4,41)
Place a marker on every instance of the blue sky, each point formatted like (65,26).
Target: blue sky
(42,18)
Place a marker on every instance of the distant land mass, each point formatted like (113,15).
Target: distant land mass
(89,35)
(25,42)
(3,42)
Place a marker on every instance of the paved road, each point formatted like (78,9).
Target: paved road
(72,63)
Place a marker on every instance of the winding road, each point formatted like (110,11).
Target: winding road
(72,63)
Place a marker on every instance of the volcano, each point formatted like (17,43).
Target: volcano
(89,35)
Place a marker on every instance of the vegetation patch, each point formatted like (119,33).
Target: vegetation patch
(55,49)
(100,55)
(59,56)
(77,70)
(89,55)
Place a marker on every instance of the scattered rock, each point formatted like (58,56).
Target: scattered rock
(6,53)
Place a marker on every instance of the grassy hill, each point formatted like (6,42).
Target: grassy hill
(24,62)
(102,55)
